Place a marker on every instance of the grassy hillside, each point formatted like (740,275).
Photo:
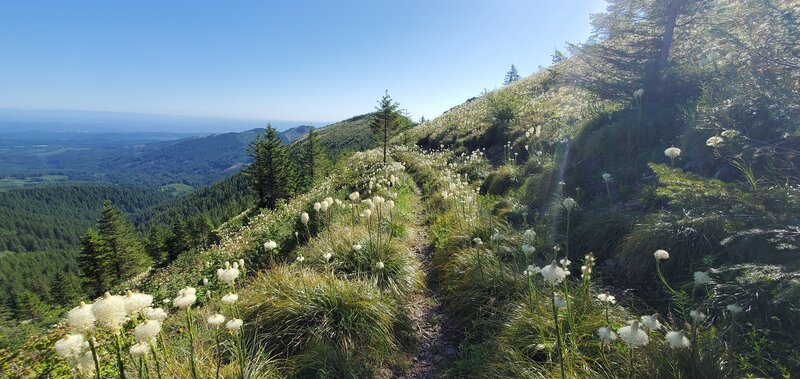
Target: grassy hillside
(615,215)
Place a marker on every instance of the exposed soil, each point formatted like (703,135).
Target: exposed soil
(435,348)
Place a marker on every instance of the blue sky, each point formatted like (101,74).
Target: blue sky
(273,60)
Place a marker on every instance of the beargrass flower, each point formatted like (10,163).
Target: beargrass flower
(568,203)
(529,236)
(702,277)
(677,340)
(697,316)
(205,281)
(607,298)
(379,265)
(135,302)
(147,331)
(606,177)
(389,204)
(565,262)
(651,322)
(632,335)
(715,141)
(234,325)
(216,320)
(606,335)
(531,270)
(186,297)
(140,349)
(81,318)
(270,245)
(304,218)
(229,298)
(528,249)
(75,350)
(110,312)
(71,346)
(477,241)
(158,314)
(734,308)
(229,274)
(672,152)
(661,255)
(497,236)
(327,256)
(357,247)
(553,274)
(317,206)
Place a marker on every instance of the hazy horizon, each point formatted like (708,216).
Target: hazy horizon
(83,121)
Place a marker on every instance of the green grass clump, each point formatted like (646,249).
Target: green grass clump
(298,312)
(501,181)
(686,238)
(477,288)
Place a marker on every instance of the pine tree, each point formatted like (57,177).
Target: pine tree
(272,174)
(386,121)
(511,76)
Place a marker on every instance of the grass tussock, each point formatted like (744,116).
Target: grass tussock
(296,311)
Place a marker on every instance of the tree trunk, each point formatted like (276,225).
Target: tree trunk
(671,16)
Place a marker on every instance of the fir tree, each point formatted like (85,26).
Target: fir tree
(177,242)
(112,252)
(385,122)
(272,174)
(94,262)
(30,306)
(511,76)
(155,244)
(313,160)
(64,289)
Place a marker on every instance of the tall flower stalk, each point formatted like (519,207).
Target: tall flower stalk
(569,204)
(118,348)
(185,299)
(553,275)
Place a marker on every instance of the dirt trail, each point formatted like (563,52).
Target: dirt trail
(435,347)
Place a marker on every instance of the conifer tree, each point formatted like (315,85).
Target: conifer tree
(155,244)
(511,76)
(30,306)
(272,174)
(385,122)
(94,261)
(177,242)
(63,288)
(313,160)
(112,252)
